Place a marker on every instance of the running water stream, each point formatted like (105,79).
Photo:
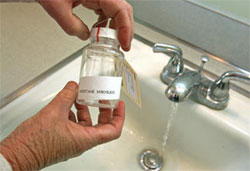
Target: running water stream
(173,111)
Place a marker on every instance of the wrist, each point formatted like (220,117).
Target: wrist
(9,156)
(18,155)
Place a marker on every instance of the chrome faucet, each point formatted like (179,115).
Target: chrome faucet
(185,84)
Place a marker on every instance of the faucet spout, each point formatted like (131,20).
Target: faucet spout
(181,88)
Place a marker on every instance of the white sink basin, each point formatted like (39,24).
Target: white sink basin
(200,138)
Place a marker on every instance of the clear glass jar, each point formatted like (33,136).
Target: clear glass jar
(101,70)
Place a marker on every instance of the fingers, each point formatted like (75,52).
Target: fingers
(118,116)
(77,2)
(122,15)
(61,11)
(131,18)
(65,98)
(105,113)
(108,132)
(72,116)
(83,115)
(119,10)
(125,25)
(102,19)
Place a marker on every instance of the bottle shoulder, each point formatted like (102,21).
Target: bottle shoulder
(102,49)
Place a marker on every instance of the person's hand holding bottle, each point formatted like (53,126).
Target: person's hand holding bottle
(120,12)
(54,134)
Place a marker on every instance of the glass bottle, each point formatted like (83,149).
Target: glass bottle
(101,70)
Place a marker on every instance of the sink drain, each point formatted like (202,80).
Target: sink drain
(151,160)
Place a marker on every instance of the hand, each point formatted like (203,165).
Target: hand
(119,10)
(54,135)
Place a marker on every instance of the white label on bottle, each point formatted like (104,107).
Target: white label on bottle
(99,88)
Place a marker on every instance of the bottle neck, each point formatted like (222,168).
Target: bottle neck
(106,41)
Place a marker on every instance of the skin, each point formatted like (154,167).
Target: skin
(120,12)
(54,134)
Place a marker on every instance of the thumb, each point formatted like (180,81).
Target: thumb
(66,97)
(61,11)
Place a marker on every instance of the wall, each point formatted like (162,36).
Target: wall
(31,42)
(237,9)
(215,33)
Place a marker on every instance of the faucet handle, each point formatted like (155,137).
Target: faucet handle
(171,50)
(204,59)
(175,65)
(220,88)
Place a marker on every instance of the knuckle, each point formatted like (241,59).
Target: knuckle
(117,134)
(102,138)
(130,8)
(66,94)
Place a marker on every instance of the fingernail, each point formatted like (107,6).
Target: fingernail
(127,46)
(71,85)
(126,49)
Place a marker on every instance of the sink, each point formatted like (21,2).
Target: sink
(200,138)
